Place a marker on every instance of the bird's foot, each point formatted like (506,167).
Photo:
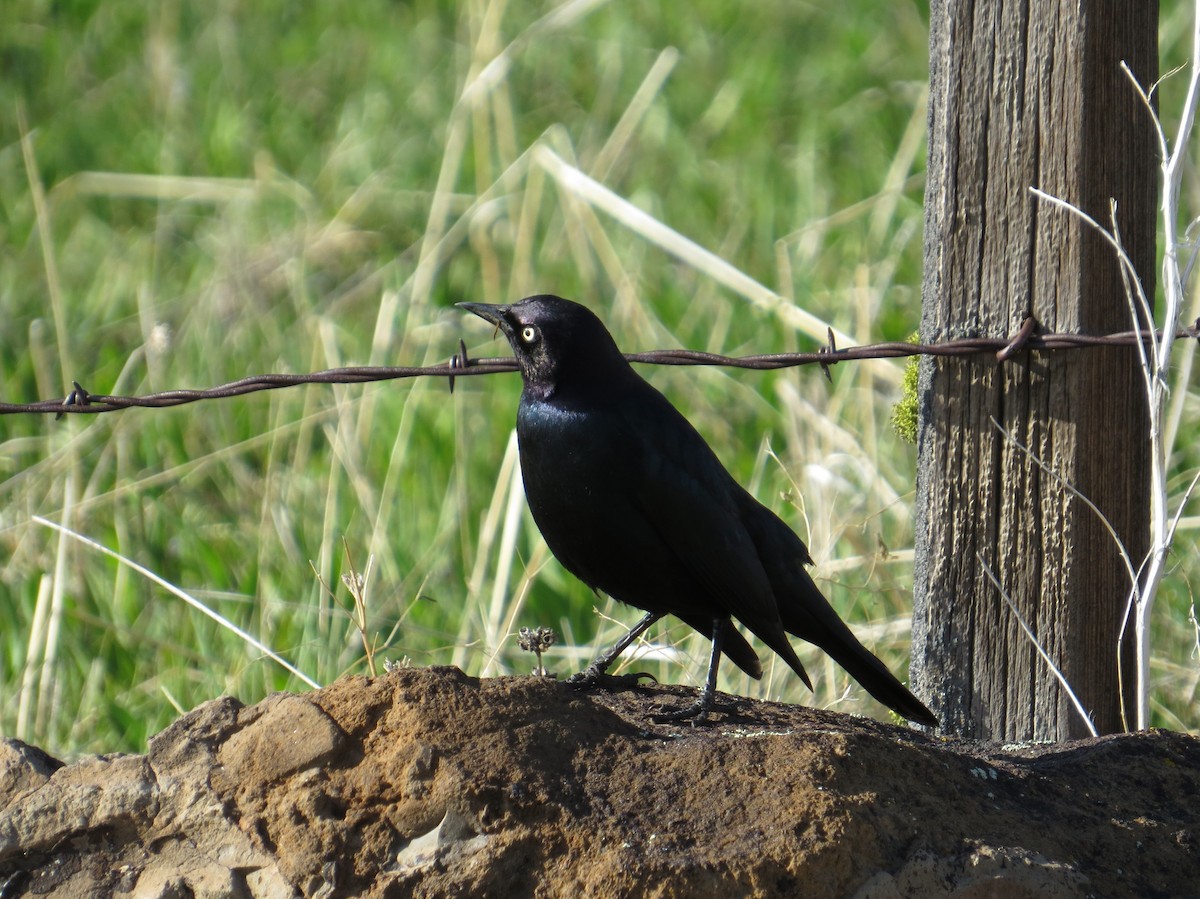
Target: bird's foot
(593,678)
(695,713)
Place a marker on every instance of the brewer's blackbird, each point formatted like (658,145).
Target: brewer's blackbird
(632,501)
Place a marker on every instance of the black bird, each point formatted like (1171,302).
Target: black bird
(632,501)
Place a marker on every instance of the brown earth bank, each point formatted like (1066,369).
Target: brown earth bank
(431,783)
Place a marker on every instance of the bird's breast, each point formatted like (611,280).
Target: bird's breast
(567,456)
(580,475)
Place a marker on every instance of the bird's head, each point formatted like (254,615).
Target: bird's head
(558,344)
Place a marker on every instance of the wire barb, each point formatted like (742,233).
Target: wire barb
(1018,342)
(77,397)
(831,350)
(458,362)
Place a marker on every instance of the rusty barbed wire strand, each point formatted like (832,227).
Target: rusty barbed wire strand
(80,401)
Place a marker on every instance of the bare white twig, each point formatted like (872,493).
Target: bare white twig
(1161,521)
(1074,491)
(1087,719)
(1156,361)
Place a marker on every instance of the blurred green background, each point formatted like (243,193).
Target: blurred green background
(190,194)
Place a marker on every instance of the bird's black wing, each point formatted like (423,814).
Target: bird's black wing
(691,503)
(808,615)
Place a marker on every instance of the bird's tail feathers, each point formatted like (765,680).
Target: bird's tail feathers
(832,635)
(877,680)
(778,641)
(735,648)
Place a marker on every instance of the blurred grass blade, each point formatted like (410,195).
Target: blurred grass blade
(684,248)
(190,600)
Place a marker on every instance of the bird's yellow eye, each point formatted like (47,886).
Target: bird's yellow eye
(528,334)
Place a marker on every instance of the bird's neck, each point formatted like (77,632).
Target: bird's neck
(538,391)
(590,389)
(594,376)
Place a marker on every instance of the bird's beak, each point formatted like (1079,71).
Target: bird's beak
(493,314)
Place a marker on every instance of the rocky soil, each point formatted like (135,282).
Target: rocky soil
(431,783)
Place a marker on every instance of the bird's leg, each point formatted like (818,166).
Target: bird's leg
(594,675)
(699,709)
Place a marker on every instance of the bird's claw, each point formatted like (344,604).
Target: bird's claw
(592,679)
(693,714)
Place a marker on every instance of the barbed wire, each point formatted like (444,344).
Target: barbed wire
(80,401)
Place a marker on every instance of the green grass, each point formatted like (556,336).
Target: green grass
(268,187)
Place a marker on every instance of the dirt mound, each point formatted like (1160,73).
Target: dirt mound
(432,783)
